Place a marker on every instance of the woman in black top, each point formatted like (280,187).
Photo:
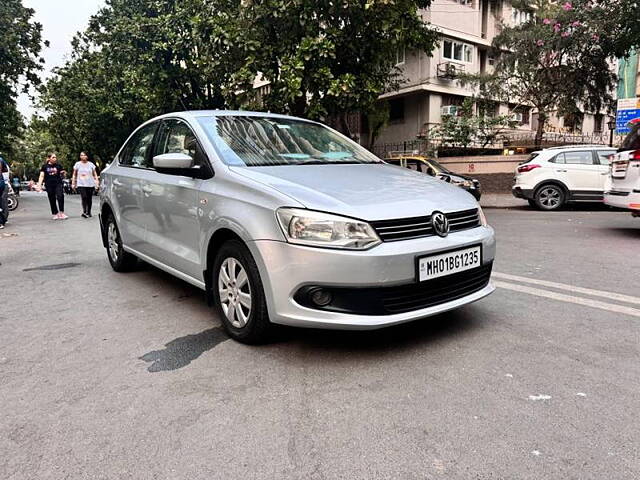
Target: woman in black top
(51,173)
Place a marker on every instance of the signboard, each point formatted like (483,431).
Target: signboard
(628,109)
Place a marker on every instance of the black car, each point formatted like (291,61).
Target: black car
(432,167)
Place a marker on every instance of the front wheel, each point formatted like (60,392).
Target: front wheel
(550,197)
(12,202)
(239,295)
(120,260)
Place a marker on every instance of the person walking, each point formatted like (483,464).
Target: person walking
(85,180)
(51,174)
(4,193)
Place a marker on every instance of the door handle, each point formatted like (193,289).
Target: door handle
(560,170)
(117,182)
(147,189)
(605,173)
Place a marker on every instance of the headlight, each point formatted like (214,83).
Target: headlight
(483,219)
(317,229)
(463,183)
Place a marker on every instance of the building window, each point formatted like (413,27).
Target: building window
(598,123)
(396,110)
(465,2)
(457,51)
(518,17)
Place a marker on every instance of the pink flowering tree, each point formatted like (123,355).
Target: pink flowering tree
(558,61)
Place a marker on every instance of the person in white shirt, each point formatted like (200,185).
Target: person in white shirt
(85,180)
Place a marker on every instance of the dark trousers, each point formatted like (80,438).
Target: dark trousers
(4,208)
(86,194)
(54,192)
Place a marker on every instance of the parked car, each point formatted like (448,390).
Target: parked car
(424,164)
(624,189)
(285,221)
(552,177)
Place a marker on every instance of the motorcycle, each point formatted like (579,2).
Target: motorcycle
(12,199)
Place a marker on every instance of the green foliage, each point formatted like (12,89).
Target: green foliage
(377,120)
(20,44)
(141,58)
(31,149)
(465,128)
(559,61)
(326,58)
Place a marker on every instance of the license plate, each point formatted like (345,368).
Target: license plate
(435,266)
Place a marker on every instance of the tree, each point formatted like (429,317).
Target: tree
(139,59)
(558,61)
(33,143)
(326,59)
(20,44)
(465,128)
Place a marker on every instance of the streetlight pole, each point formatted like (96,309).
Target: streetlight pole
(612,126)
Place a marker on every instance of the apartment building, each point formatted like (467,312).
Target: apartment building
(430,89)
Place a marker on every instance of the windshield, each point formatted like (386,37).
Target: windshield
(438,167)
(632,140)
(264,141)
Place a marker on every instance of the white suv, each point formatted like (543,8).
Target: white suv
(624,191)
(554,176)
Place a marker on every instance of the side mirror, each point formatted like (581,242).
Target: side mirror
(444,177)
(172,161)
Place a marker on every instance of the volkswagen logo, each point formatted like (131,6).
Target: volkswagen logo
(440,224)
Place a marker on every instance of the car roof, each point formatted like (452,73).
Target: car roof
(578,146)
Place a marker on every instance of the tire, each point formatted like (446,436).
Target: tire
(239,295)
(120,260)
(550,197)
(12,202)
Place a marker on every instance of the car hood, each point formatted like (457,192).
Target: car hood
(366,191)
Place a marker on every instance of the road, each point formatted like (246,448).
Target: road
(129,376)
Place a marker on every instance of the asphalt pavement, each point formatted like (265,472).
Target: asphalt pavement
(129,376)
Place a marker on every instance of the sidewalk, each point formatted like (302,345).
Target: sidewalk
(502,200)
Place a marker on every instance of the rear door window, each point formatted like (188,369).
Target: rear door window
(137,152)
(578,158)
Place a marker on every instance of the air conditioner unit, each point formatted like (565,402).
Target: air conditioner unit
(451,110)
(449,70)
(517,116)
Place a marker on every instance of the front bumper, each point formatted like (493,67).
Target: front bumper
(622,199)
(286,268)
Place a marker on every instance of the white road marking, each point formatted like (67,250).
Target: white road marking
(581,394)
(535,398)
(571,288)
(610,307)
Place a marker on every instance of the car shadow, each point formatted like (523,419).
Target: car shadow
(435,330)
(318,343)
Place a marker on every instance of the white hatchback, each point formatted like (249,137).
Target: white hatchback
(554,176)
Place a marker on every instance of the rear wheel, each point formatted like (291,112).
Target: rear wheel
(239,295)
(550,197)
(120,260)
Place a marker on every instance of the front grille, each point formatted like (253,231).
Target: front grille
(403,298)
(417,227)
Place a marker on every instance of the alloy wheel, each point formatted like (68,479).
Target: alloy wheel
(113,242)
(235,292)
(550,197)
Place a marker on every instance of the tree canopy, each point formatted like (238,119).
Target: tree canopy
(141,58)
(20,45)
(559,61)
